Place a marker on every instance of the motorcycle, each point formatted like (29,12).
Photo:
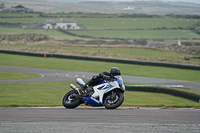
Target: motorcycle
(107,93)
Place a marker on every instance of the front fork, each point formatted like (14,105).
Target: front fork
(113,95)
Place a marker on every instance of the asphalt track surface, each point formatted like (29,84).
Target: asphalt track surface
(101,120)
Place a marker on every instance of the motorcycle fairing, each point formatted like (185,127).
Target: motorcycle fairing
(92,100)
(106,87)
(120,81)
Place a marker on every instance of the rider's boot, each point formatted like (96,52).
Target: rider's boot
(80,91)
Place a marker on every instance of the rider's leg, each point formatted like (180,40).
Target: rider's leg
(95,80)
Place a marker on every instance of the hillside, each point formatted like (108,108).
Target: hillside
(150,7)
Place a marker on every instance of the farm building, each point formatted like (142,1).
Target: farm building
(129,8)
(18,9)
(63,24)
(22,9)
(2,7)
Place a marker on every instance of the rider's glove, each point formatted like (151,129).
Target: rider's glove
(104,76)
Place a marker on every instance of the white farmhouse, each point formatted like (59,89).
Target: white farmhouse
(63,24)
(129,8)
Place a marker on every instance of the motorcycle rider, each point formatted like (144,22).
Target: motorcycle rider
(97,78)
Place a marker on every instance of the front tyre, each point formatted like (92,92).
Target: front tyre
(113,102)
(69,101)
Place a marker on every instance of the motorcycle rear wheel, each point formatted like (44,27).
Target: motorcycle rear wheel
(70,103)
(113,103)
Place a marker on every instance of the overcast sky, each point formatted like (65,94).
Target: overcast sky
(193,1)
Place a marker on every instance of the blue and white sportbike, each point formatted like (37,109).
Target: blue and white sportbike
(107,93)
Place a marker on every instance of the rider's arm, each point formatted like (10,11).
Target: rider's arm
(105,75)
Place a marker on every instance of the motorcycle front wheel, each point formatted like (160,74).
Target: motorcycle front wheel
(113,102)
(69,101)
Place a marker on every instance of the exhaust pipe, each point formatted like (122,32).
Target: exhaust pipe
(75,88)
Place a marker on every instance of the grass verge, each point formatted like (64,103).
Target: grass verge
(109,51)
(119,52)
(15,75)
(51,94)
(97,66)
(31,97)
(144,99)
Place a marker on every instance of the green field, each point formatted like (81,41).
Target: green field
(123,34)
(134,23)
(137,34)
(115,23)
(113,27)
(51,33)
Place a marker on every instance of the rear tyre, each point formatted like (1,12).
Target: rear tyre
(69,102)
(113,103)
